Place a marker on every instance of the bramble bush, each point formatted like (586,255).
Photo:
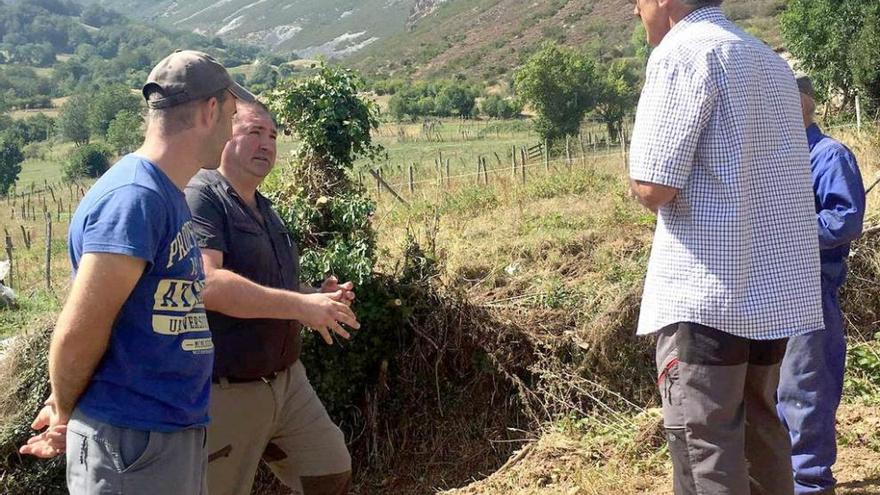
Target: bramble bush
(329,215)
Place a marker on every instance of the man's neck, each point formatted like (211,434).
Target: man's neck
(245,186)
(678,13)
(174,156)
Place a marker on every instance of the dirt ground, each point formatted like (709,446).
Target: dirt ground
(560,465)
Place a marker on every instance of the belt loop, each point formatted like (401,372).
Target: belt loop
(224,382)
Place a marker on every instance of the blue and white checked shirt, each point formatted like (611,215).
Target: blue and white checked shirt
(720,119)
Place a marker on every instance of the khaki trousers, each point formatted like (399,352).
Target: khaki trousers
(281,422)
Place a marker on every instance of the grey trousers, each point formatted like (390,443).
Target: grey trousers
(719,412)
(103,459)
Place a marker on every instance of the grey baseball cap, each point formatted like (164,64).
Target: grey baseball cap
(805,85)
(189,75)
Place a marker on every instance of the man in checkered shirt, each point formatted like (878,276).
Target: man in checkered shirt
(720,154)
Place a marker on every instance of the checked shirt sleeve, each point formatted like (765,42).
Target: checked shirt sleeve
(674,109)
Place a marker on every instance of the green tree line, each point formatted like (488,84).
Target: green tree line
(838,43)
(59,34)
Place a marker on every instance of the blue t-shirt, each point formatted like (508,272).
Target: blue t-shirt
(156,373)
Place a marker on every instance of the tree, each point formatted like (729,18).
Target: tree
(10,164)
(264,77)
(456,99)
(124,134)
(496,107)
(618,94)
(97,16)
(560,85)
(88,160)
(639,43)
(865,58)
(819,33)
(108,103)
(73,123)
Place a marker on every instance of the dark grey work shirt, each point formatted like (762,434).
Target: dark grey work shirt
(246,349)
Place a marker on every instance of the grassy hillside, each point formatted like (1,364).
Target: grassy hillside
(331,27)
(482,38)
(489,37)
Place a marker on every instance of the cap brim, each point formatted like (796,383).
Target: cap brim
(241,94)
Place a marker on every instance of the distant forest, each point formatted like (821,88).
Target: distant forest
(87,48)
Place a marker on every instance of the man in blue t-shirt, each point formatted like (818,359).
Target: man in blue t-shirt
(131,357)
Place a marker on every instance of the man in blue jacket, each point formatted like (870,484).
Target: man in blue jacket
(811,377)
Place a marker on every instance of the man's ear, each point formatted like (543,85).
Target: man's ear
(209,112)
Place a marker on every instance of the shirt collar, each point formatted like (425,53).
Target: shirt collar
(814,135)
(703,14)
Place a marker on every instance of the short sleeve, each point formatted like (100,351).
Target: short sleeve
(130,220)
(208,218)
(674,109)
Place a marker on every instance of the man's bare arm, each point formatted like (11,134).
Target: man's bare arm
(652,196)
(103,283)
(231,294)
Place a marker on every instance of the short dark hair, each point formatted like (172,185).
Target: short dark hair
(178,117)
(260,106)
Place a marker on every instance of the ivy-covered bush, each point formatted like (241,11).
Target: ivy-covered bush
(330,215)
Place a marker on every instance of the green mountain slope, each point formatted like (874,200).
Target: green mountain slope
(308,27)
(489,37)
(482,38)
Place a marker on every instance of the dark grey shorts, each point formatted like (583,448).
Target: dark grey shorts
(103,459)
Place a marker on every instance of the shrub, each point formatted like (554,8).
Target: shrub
(10,164)
(497,107)
(89,160)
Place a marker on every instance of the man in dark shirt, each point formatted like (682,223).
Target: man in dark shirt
(262,405)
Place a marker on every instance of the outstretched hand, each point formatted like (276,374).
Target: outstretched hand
(331,284)
(53,440)
(326,311)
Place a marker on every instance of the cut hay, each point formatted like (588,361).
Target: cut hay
(25,377)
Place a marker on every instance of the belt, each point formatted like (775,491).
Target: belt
(231,379)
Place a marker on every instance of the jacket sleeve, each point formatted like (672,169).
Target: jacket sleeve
(840,197)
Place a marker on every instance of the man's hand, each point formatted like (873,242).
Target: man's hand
(331,284)
(324,311)
(53,440)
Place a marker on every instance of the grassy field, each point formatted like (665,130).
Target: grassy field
(568,244)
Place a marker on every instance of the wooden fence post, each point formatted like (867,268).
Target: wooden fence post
(583,151)
(568,151)
(48,250)
(485,171)
(25,237)
(522,156)
(547,155)
(382,183)
(412,182)
(513,161)
(9,249)
(448,179)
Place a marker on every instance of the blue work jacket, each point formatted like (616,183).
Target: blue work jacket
(840,202)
